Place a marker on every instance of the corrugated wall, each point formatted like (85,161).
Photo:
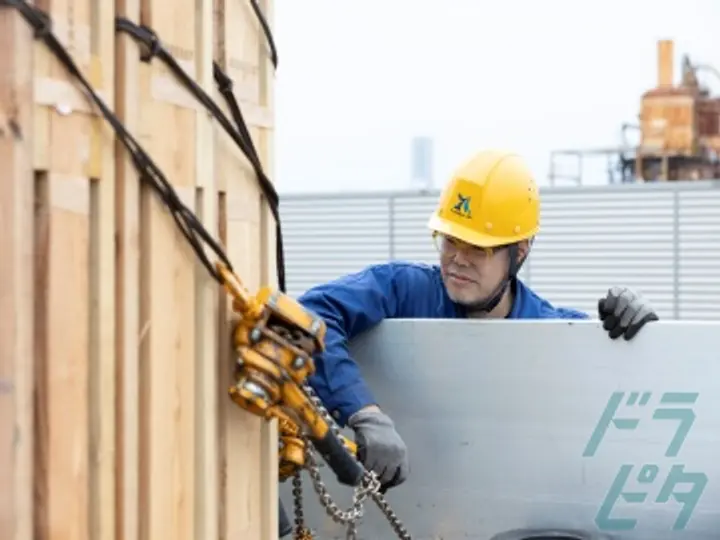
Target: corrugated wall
(326,237)
(663,239)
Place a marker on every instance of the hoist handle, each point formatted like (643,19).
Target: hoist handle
(243,302)
(346,467)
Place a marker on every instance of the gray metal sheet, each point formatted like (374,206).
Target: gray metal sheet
(327,237)
(699,255)
(497,416)
(590,242)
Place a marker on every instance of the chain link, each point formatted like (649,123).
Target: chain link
(368,488)
(301,531)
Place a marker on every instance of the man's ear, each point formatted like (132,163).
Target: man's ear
(523,248)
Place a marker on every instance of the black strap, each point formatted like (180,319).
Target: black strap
(239,133)
(186,220)
(267,32)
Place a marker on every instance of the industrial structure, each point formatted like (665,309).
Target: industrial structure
(679,127)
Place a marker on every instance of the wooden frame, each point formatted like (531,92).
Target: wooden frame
(114,345)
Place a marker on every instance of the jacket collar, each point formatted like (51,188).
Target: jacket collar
(522,301)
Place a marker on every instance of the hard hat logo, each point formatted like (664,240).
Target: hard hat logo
(462,207)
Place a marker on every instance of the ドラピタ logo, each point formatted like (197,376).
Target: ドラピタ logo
(674,406)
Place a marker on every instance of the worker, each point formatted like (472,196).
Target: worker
(483,227)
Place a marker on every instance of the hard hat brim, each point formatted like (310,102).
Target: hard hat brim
(475,238)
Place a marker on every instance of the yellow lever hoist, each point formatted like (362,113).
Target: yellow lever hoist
(275,340)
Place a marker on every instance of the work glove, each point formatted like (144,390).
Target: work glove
(379,447)
(624,312)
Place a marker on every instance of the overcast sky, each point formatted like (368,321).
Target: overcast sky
(357,80)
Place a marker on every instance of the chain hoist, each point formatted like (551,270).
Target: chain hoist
(370,488)
(275,339)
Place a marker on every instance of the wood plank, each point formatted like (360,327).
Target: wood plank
(103,353)
(248,444)
(62,354)
(74,300)
(224,359)
(16,278)
(128,292)
(268,270)
(206,313)
(168,303)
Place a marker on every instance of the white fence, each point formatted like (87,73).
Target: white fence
(663,239)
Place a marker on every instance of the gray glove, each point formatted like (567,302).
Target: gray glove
(380,447)
(624,312)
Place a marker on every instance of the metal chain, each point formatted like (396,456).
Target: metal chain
(391,516)
(369,487)
(301,531)
(348,517)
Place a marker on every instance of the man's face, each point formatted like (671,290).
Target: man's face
(471,274)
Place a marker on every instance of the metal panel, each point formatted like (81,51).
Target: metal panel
(662,238)
(326,237)
(411,236)
(498,417)
(592,241)
(699,250)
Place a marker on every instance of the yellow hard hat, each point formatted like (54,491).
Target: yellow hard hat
(491,200)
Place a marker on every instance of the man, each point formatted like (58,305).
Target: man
(484,225)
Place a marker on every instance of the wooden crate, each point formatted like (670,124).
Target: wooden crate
(114,348)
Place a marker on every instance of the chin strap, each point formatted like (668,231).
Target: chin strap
(491,302)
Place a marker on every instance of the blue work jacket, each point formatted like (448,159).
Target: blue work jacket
(354,303)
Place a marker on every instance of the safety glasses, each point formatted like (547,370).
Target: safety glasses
(449,247)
